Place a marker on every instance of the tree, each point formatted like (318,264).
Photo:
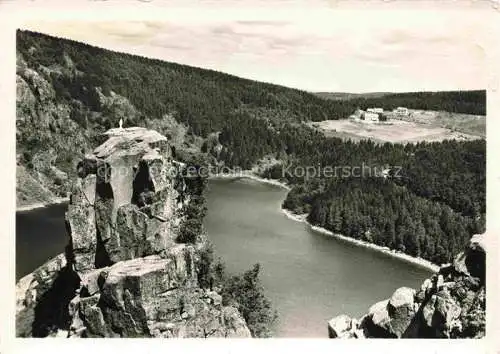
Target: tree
(246,293)
(205,263)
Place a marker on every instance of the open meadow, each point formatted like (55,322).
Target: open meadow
(418,126)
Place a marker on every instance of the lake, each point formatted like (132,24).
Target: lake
(308,276)
(40,235)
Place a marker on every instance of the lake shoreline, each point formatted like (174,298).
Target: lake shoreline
(251,176)
(34,206)
(419,262)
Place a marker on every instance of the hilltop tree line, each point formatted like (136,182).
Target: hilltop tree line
(203,99)
(471,102)
(198,97)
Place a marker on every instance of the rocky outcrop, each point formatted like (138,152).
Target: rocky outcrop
(116,106)
(123,205)
(45,136)
(450,304)
(42,298)
(125,273)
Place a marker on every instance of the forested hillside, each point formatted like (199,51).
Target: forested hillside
(68,93)
(431,201)
(201,98)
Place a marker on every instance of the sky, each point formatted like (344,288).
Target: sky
(335,51)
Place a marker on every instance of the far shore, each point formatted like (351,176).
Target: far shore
(419,262)
(252,176)
(41,205)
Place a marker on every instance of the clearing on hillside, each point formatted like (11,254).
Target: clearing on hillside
(417,126)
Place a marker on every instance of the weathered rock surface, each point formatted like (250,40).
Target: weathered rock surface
(124,274)
(42,297)
(339,326)
(126,185)
(451,304)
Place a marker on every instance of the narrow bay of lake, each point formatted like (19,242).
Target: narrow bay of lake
(310,277)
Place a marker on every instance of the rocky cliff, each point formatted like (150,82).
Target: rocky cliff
(450,304)
(125,272)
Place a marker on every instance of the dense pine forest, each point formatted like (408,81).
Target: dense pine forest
(426,200)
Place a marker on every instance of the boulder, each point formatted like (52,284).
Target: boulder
(81,226)
(339,326)
(146,297)
(235,325)
(25,99)
(450,304)
(128,241)
(401,310)
(156,167)
(379,314)
(426,286)
(472,261)
(42,298)
(214,298)
(92,317)
(441,313)
(401,299)
(132,292)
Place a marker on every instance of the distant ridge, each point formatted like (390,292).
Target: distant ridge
(469,102)
(350,95)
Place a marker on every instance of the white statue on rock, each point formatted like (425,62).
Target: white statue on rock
(121,123)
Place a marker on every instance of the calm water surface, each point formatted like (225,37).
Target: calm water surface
(40,235)
(308,276)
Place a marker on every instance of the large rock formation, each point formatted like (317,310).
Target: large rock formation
(451,304)
(124,273)
(123,204)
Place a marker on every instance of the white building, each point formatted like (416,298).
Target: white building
(375,110)
(370,117)
(401,111)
